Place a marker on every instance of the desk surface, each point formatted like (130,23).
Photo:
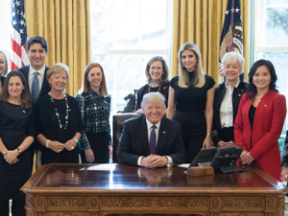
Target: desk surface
(109,184)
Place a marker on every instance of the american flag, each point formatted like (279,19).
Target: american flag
(19,56)
(231,37)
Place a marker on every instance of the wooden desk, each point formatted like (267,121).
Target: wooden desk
(111,189)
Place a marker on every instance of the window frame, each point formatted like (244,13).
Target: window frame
(166,52)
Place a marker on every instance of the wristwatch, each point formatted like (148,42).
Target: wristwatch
(19,150)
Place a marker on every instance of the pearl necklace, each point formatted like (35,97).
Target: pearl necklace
(57,113)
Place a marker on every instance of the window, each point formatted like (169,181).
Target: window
(271,42)
(125,35)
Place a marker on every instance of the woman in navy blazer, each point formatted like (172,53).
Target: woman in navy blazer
(3,68)
(227,98)
(260,119)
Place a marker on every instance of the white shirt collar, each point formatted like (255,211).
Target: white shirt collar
(149,124)
(236,86)
(41,71)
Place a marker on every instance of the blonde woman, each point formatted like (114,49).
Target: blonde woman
(227,99)
(190,102)
(58,120)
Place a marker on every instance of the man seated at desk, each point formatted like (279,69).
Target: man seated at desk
(151,140)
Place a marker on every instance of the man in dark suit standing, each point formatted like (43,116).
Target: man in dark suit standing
(151,140)
(35,74)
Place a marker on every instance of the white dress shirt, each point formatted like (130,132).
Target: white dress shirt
(226,108)
(149,129)
(40,77)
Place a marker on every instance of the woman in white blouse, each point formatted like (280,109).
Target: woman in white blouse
(227,98)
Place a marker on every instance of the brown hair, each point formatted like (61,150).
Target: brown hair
(85,88)
(164,77)
(25,98)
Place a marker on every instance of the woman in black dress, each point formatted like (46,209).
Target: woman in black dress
(157,75)
(17,134)
(227,98)
(94,102)
(3,68)
(58,120)
(190,103)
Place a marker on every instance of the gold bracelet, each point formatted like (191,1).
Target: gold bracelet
(208,134)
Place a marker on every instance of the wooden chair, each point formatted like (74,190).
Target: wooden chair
(118,120)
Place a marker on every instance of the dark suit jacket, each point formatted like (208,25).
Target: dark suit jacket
(2,80)
(45,85)
(134,141)
(262,141)
(220,91)
(44,90)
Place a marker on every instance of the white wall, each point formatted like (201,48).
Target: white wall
(5,27)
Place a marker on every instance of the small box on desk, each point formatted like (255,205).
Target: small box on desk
(200,171)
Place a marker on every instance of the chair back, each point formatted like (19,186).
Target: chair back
(118,120)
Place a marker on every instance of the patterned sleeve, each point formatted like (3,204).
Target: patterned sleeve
(108,129)
(84,142)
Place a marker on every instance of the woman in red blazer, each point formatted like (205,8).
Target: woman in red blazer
(260,119)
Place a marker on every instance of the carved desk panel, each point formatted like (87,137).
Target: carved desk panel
(118,190)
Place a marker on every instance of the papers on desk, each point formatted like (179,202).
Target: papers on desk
(184,165)
(102,167)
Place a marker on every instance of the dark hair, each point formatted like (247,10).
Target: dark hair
(25,98)
(272,86)
(40,40)
(164,77)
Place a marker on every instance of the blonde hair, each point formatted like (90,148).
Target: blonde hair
(231,58)
(57,68)
(85,88)
(183,73)
(5,63)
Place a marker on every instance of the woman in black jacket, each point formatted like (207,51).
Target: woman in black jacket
(58,120)
(227,98)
